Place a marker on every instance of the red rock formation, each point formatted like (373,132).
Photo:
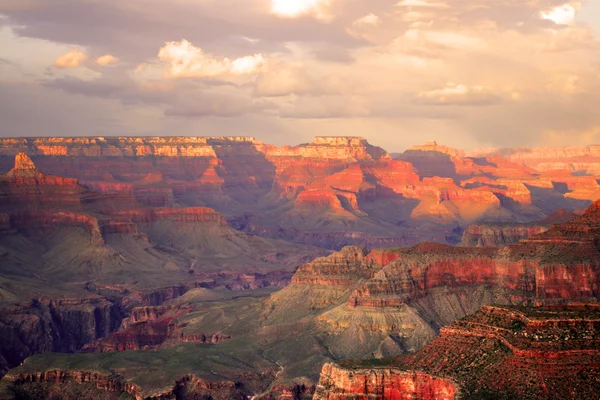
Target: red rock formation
(338,269)
(53,325)
(183,214)
(497,235)
(502,234)
(44,221)
(25,184)
(102,382)
(149,327)
(582,159)
(542,353)
(337,383)
(356,186)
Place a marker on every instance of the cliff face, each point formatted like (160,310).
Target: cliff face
(24,183)
(499,352)
(59,379)
(502,234)
(580,159)
(62,384)
(546,353)
(67,325)
(358,193)
(497,235)
(337,383)
(53,325)
(389,301)
(148,328)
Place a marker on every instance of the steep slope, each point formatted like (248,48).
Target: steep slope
(360,304)
(332,192)
(499,353)
(394,300)
(80,256)
(502,234)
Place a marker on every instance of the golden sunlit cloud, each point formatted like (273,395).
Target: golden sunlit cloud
(365,27)
(298,8)
(72,59)
(107,59)
(563,15)
(420,3)
(188,61)
(367,20)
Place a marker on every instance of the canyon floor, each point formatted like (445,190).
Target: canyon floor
(194,268)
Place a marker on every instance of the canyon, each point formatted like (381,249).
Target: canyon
(332,192)
(182,267)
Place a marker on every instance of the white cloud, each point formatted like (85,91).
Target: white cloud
(458,94)
(72,59)
(185,60)
(563,15)
(369,20)
(107,59)
(320,9)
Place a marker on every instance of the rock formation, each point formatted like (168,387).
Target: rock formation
(337,383)
(390,301)
(361,195)
(502,234)
(499,352)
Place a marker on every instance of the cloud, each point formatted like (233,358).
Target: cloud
(367,21)
(319,9)
(325,107)
(333,55)
(72,59)
(421,3)
(563,15)
(458,94)
(366,28)
(184,60)
(287,80)
(216,105)
(445,39)
(107,59)
(283,82)
(568,39)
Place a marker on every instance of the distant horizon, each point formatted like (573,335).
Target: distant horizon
(468,150)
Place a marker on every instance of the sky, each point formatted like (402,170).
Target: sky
(466,73)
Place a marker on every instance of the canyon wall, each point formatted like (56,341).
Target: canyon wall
(332,192)
(337,383)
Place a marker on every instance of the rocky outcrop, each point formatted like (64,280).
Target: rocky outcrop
(548,352)
(542,353)
(359,194)
(395,300)
(498,235)
(503,234)
(53,325)
(576,159)
(24,183)
(67,325)
(337,383)
(182,215)
(58,377)
(47,221)
(58,384)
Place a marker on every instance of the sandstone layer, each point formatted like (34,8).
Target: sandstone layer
(332,192)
